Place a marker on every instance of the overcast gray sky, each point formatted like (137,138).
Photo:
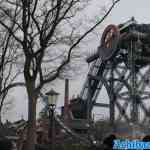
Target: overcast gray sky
(121,13)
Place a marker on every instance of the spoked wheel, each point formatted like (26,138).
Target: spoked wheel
(110,37)
(109,41)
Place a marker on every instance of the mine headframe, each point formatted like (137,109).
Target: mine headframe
(117,64)
(119,37)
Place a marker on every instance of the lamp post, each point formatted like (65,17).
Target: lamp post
(52,101)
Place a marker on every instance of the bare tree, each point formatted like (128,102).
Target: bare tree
(8,69)
(46,36)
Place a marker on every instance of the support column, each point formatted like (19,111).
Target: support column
(89,101)
(112,98)
(134,104)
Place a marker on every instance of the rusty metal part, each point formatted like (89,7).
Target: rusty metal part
(110,37)
(109,42)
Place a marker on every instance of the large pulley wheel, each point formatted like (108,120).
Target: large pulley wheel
(109,42)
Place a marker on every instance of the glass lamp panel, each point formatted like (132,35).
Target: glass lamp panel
(54,99)
(50,99)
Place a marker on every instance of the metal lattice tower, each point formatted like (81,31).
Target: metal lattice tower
(122,65)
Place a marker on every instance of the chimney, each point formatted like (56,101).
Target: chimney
(66,101)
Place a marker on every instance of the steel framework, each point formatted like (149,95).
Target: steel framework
(121,65)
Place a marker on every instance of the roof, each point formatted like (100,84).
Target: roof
(7,133)
(20,124)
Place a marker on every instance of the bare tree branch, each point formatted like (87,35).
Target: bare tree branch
(76,43)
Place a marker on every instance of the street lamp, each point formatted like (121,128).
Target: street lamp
(52,101)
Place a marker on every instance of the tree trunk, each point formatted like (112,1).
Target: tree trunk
(31,131)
